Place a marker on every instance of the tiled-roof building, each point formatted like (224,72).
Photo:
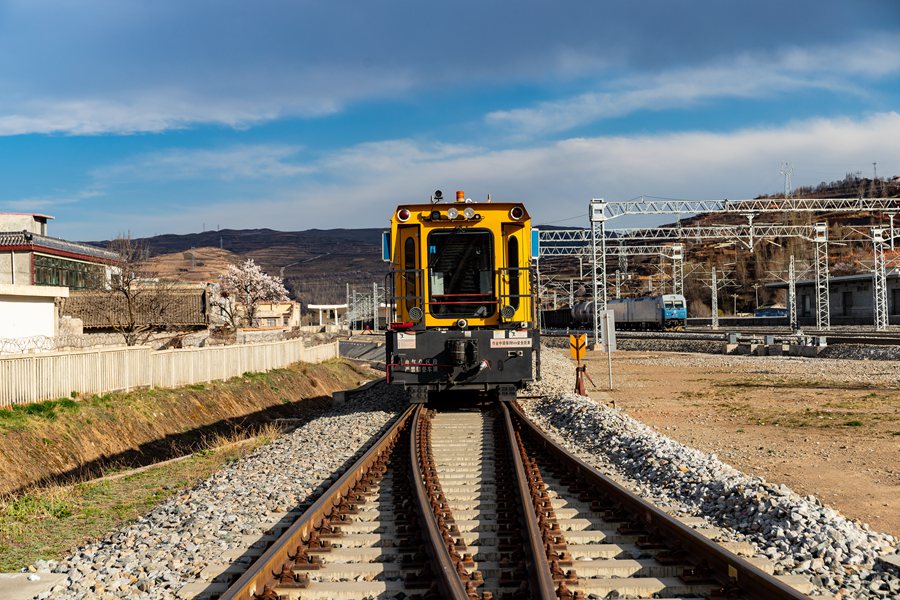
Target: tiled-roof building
(28,256)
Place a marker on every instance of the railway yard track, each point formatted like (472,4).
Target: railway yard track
(478,502)
(377,499)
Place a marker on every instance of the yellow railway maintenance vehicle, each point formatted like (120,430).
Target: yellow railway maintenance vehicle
(461,294)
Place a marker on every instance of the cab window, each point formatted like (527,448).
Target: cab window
(409,276)
(512,257)
(461,273)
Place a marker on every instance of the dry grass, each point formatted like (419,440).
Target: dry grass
(45,523)
(57,437)
(263,434)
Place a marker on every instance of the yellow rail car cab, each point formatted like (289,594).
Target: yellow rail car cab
(462,305)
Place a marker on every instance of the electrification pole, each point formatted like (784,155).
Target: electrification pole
(598,251)
(792,294)
(879,279)
(715,300)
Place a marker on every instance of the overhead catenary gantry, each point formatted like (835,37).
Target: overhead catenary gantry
(567,241)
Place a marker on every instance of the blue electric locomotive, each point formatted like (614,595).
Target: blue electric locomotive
(667,312)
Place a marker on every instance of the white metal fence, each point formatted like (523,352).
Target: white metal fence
(51,375)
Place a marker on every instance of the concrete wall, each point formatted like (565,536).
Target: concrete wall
(22,273)
(17,222)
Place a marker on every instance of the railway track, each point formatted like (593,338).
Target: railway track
(874,338)
(477,503)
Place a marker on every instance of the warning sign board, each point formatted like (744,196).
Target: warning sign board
(577,346)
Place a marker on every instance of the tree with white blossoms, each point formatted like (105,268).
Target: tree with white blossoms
(242,289)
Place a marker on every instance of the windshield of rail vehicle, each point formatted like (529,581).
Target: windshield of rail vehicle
(461,273)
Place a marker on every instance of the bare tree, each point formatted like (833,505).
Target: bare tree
(242,289)
(132,302)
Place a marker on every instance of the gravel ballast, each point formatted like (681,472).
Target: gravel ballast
(799,534)
(168,548)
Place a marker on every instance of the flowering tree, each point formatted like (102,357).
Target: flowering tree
(242,289)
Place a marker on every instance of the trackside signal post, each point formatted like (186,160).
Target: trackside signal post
(577,348)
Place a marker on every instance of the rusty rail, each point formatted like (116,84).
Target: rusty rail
(541,577)
(259,580)
(724,566)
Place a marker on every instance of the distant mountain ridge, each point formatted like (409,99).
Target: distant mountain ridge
(242,241)
(318,263)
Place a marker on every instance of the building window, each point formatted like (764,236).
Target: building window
(895,301)
(76,275)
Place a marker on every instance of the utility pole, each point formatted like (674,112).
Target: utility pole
(756,290)
(787,169)
(734,309)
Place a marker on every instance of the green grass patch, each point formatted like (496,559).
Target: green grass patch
(853,423)
(17,416)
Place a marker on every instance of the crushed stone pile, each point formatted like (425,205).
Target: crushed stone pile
(799,534)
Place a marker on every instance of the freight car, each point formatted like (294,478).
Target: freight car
(460,291)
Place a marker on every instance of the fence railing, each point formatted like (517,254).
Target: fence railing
(50,375)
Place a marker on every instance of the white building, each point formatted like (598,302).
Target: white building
(27,314)
(36,273)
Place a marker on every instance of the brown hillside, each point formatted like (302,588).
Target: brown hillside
(196,264)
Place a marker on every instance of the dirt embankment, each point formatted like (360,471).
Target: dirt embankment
(74,439)
(824,427)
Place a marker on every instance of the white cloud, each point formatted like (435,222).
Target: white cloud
(238,162)
(832,68)
(359,186)
(239,101)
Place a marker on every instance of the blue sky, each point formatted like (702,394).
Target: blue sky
(173,116)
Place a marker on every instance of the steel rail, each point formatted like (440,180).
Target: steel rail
(448,582)
(261,576)
(725,566)
(542,585)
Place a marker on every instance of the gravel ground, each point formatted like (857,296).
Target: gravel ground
(670,344)
(861,352)
(838,371)
(799,534)
(169,547)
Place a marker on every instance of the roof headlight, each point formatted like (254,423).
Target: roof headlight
(469,212)
(403,215)
(452,213)
(516,213)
